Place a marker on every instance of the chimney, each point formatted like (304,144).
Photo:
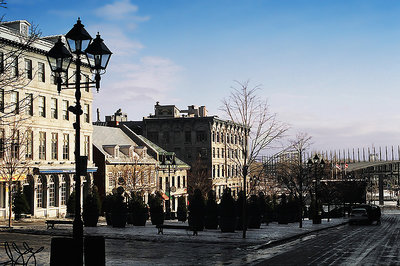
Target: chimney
(98,115)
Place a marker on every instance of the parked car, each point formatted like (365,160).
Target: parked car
(365,213)
(359,216)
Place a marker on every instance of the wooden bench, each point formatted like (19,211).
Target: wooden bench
(161,228)
(51,223)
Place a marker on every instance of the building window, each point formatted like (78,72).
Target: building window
(217,152)
(87,83)
(15,102)
(39,192)
(213,171)
(29,104)
(2,140)
(222,152)
(52,192)
(14,67)
(86,113)
(66,147)
(213,136)
(1,62)
(28,68)
(15,144)
(201,136)
(54,108)
(42,145)
(29,144)
(54,146)
(111,180)
(160,183)
(217,137)
(222,170)
(165,137)
(63,195)
(213,153)
(218,169)
(42,106)
(179,181)
(188,137)
(2,100)
(65,112)
(183,181)
(87,147)
(173,181)
(41,73)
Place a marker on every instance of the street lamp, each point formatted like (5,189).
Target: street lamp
(168,159)
(317,163)
(97,54)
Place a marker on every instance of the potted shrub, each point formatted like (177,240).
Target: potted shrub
(137,210)
(119,210)
(71,205)
(20,204)
(182,209)
(196,210)
(211,219)
(254,213)
(156,209)
(106,207)
(227,221)
(91,208)
(239,210)
(282,210)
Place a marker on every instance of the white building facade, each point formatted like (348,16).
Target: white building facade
(46,150)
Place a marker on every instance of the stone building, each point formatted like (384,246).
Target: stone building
(48,149)
(129,160)
(198,138)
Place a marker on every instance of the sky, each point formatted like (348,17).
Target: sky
(328,68)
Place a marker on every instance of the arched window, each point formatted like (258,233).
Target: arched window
(52,192)
(63,191)
(39,192)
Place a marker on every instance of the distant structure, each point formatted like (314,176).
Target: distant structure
(204,142)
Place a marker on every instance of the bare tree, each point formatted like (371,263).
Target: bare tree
(133,176)
(246,107)
(15,106)
(15,156)
(291,170)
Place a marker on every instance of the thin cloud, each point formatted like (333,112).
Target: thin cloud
(120,10)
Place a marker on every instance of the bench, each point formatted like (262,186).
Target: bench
(161,228)
(51,223)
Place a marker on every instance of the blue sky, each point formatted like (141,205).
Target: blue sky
(329,68)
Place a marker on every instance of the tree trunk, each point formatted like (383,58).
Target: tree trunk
(9,205)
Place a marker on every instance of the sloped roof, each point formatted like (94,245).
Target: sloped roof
(109,136)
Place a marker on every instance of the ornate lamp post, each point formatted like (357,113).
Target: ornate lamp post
(168,159)
(97,55)
(316,162)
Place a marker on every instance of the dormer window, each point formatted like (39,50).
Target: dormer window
(24,30)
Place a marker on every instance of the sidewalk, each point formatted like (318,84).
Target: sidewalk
(266,235)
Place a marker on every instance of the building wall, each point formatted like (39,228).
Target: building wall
(205,137)
(48,168)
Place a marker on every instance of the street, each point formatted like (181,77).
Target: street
(346,245)
(350,245)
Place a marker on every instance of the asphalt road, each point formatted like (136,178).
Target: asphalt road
(344,245)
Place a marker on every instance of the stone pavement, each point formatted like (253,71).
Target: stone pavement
(267,234)
(175,245)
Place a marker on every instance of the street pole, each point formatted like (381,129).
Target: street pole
(245,168)
(169,193)
(78,224)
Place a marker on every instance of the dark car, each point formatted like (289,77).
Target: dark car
(373,213)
